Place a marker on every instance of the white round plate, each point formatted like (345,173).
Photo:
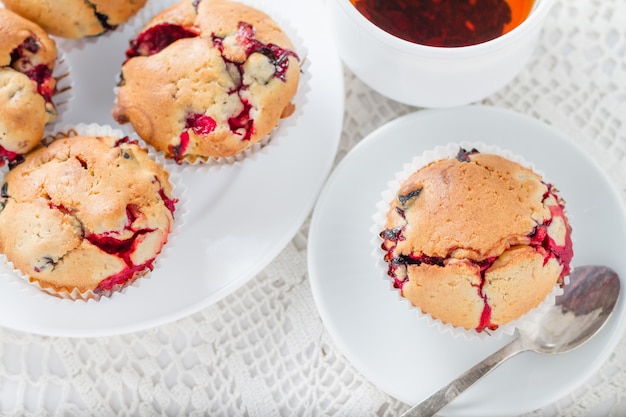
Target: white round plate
(384,339)
(239,217)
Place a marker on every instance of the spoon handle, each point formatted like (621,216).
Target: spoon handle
(445,395)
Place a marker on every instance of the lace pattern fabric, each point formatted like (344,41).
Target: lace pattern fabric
(263,351)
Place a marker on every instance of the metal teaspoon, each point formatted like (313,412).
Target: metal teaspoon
(577,315)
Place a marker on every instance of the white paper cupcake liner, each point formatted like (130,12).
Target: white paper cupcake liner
(178,191)
(64,93)
(275,137)
(382,207)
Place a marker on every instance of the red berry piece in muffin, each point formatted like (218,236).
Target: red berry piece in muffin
(155,39)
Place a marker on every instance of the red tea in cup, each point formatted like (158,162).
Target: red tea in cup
(445,23)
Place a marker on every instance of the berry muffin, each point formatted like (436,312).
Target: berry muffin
(476,241)
(76,19)
(207,79)
(27,60)
(85,216)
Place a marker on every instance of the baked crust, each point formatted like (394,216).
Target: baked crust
(23,112)
(27,59)
(76,19)
(14,30)
(470,210)
(85,209)
(213,74)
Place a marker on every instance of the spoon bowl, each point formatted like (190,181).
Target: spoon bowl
(577,315)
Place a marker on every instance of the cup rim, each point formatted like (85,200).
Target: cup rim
(538,12)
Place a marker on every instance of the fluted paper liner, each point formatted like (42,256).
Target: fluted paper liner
(64,93)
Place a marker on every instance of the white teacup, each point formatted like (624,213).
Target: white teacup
(428,76)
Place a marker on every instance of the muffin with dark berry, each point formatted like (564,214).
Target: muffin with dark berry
(207,79)
(476,241)
(76,19)
(86,215)
(27,60)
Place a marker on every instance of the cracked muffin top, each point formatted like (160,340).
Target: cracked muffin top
(27,60)
(76,19)
(476,241)
(85,214)
(207,79)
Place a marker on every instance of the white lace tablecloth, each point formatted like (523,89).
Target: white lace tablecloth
(264,351)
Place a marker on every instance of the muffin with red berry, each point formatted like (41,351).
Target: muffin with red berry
(27,61)
(476,241)
(207,79)
(85,216)
(76,19)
